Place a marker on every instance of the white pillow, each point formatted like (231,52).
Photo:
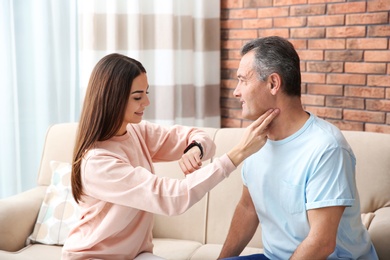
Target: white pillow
(58,211)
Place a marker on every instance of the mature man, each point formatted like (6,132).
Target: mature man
(301,184)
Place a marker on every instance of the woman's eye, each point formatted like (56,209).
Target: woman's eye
(137,98)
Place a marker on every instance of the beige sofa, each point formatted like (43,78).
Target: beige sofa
(200,232)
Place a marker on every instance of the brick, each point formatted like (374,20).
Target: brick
(325,112)
(377,56)
(369,92)
(302,66)
(241,34)
(313,77)
(242,13)
(388,68)
(344,102)
(378,30)
(231,44)
(307,32)
(231,24)
(367,18)
(347,125)
(231,113)
(369,68)
(327,44)
(378,5)
(315,100)
(272,12)
(274,32)
(290,22)
(324,66)
(298,43)
(346,31)
(228,74)
(388,93)
(231,54)
(378,105)
(321,89)
(224,14)
(364,116)
(229,4)
(378,80)
(257,23)
(377,128)
(388,118)
(229,84)
(289,2)
(230,64)
(310,55)
(351,79)
(303,88)
(230,103)
(366,43)
(345,8)
(346,55)
(226,93)
(325,20)
(321,1)
(230,122)
(256,3)
(304,10)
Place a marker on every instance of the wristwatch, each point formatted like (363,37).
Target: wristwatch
(192,144)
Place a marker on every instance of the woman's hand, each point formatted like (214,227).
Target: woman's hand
(190,161)
(255,136)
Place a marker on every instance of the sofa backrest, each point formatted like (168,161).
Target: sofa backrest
(208,221)
(372,151)
(223,199)
(192,224)
(59,143)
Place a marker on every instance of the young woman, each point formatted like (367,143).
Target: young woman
(113,178)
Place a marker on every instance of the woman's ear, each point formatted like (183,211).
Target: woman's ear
(274,82)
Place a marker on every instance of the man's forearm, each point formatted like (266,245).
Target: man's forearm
(309,249)
(241,231)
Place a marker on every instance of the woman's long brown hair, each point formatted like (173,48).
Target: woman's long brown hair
(104,108)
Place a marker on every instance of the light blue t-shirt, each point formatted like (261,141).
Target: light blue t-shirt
(313,168)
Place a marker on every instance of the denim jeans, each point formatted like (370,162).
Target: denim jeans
(248,257)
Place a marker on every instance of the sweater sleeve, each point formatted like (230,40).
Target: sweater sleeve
(168,143)
(107,178)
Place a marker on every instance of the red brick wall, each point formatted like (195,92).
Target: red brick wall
(344,48)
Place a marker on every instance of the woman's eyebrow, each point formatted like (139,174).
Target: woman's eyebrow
(139,91)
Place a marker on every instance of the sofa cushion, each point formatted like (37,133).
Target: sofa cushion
(211,252)
(34,252)
(58,210)
(175,249)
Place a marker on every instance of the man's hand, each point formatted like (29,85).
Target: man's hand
(190,161)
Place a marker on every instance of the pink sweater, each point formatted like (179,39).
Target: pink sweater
(122,193)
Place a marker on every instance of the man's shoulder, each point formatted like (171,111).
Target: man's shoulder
(328,133)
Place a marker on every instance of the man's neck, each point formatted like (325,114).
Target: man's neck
(292,117)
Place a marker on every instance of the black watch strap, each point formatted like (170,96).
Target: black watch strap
(192,144)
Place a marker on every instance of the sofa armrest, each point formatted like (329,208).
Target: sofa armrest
(18,214)
(380,232)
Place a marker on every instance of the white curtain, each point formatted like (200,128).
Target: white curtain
(39,83)
(49,47)
(178,42)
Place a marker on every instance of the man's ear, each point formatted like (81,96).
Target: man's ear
(274,82)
